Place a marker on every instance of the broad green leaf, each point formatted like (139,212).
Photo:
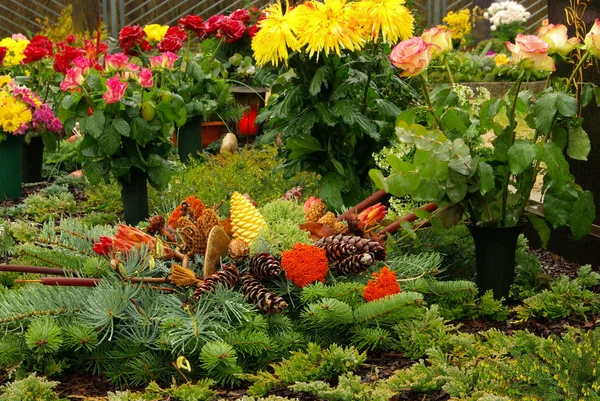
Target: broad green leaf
(583,215)
(93,171)
(557,165)
(141,131)
(402,184)
(521,155)
(541,227)
(486,178)
(94,83)
(166,112)
(560,137)
(89,148)
(301,145)
(345,109)
(408,227)
(558,205)
(426,164)
(160,171)
(378,179)
(455,120)
(70,100)
(109,141)
(502,144)
(120,166)
(587,94)
(436,225)
(399,165)
(460,159)
(545,109)
(121,126)
(367,126)
(317,81)
(407,116)
(338,166)
(422,214)
(579,143)
(429,191)
(331,191)
(566,105)
(325,115)
(456,186)
(387,109)
(443,97)
(95,124)
(488,111)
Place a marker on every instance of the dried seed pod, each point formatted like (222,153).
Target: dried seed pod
(260,295)
(238,250)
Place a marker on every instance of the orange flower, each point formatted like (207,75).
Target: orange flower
(305,264)
(133,235)
(372,215)
(195,204)
(383,285)
(311,201)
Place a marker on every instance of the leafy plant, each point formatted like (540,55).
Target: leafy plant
(349,388)
(32,388)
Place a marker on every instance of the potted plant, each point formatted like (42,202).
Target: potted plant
(127,118)
(493,186)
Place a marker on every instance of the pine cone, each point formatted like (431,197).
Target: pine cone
(315,212)
(354,225)
(194,241)
(354,264)
(238,250)
(228,277)
(260,296)
(327,219)
(338,252)
(245,218)
(209,219)
(264,265)
(363,245)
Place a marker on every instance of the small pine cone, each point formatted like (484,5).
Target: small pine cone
(156,224)
(354,225)
(338,252)
(260,296)
(209,219)
(363,245)
(228,277)
(238,250)
(328,219)
(194,241)
(264,265)
(315,212)
(354,264)
(338,227)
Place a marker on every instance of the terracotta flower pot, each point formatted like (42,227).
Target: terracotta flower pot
(212,131)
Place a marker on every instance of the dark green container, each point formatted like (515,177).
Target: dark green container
(134,194)
(10,167)
(32,160)
(189,142)
(495,249)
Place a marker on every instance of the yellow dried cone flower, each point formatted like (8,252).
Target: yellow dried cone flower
(245,218)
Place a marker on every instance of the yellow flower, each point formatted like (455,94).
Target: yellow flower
(13,114)
(459,23)
(4,79)
(500,59)
(156,32)
(14,53)
(328,27)
(390,18)
(276,36)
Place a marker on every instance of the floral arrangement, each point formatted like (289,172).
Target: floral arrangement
(494,188)
(459,23)
(505,18)
(22,111)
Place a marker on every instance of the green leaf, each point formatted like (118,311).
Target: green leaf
(301,145)
(378,179)
(587,93)
(159,171)
(579,143)
(408,227)
(521,155)
(120,166)
(427,165)
(387,109)
(166,112)
(94,83)
(455,120)
(443,97)
(436,225)
(402,184)
(121,126)
(346,109)
(429,191)
(541,227)
(486,178)
(502,144)
(488,111)
(460,159)
(338,166)
(545,109)
(583,215)
(109,141)
(325,115)
(331,191)
(141,131)
(408,116)
(70,100)
(566,105)
(456,186)
(560,137)
(93,171)
(95,124)
(89,148)
(317,81)
(367,126)
(422,214)
(558,204)
(557,165)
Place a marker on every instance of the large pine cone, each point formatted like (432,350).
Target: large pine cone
(363,245)
(354,264)
(340,251)
(264,265)
(260,295)
(228,277)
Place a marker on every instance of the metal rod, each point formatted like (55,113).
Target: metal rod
(20,16)
(122,14)
(105,12)
(186,12)
(113,18)
(141,17)
(29,9)
(138,7)
(168,11)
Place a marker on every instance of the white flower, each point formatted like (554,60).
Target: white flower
(493,28)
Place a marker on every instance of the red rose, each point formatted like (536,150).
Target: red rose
(130,37)
(43,42)
(232,29)
(192,23)
(71,39)
(3,51)
(240,15)
(62,60)
(170,44)
(93,50)
(213,23)
(33,53)
(178,32)
(253,30)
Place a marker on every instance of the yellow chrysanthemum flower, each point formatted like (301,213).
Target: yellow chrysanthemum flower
(276,38)
(13,114)
(500,59)
(4,79)
(388,18)
(14,53)
(328,27)
(156,32)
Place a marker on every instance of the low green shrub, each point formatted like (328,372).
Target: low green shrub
(32,388)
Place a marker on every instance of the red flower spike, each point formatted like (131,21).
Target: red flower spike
(372,215)
(383,284)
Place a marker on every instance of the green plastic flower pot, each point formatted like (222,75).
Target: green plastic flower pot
(10,167)
(189,142)
(32,160)
(134,194)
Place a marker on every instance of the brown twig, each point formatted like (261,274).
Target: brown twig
(395,226)
(363,205)
(36,270)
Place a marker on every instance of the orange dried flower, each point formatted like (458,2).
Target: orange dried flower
(305,264)
(195,204)
(383,284)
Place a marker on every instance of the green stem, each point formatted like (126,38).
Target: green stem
(429,104)
(449,71)
(513,125)
(577,68)
(365,104)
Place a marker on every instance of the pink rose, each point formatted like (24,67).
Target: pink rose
(213,23)
(82,63)
(130,72)
(240,14)
(592,39)
(531,53)
(440,40)
(73,79)
(18,36)
(231,29)
(165,60)
(412,55)
(145,78)
(115,89)
(558,39)
(116,62)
